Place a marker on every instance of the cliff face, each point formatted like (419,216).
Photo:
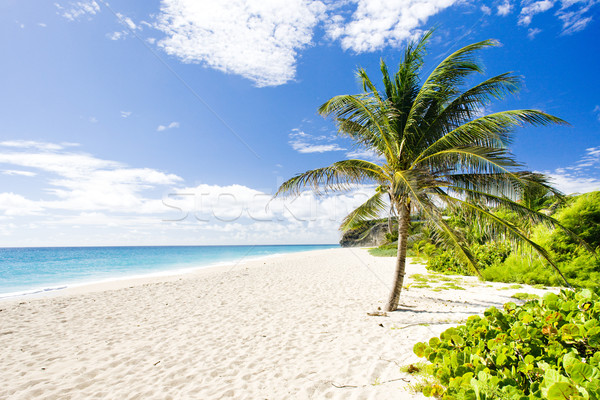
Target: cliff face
(375,237)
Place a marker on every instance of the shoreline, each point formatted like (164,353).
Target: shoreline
(143,277)
(290,326)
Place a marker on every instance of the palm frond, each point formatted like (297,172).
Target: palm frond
(365,112)
(362,135)
(442,84)
(514,233)
(524,212)
(370,209)
(445,234)
(468,104)
(507,185)
(368,85)
(491,130)
(338,176)
(476,159)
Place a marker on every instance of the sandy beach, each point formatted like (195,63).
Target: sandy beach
(286,327)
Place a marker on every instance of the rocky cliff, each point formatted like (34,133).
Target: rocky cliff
(370,236)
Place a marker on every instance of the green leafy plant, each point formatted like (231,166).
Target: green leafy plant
(547,349)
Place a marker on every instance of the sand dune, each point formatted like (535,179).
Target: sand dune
(286,327)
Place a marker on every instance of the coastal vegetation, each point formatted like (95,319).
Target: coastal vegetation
(501,262)
(544,349)
(434,149)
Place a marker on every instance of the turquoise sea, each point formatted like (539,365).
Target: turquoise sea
(40,269)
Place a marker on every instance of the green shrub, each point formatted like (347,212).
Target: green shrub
(424,248)
(541,350)
(487,255)
(385,250)
(581,217)
(446,262)
(522,268)
(581,271)
(491,253)
(391,237)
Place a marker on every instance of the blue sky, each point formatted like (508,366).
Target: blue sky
(172,122)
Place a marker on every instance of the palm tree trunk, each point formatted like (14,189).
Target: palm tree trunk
(403,223)
(390,225)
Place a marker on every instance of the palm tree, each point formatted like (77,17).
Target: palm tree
(435,148)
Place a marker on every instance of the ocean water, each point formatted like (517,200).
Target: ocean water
(40,269)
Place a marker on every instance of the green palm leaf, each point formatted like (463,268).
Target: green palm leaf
(369,210)
(338,176)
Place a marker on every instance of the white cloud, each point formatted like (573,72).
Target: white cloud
(591,158)
(172,125)
(532,32)
(42,25)
(128,22)
(375,24)
(214,205)
(505,8)
(90,201)
(129,25)
(79,181)
(315,148)
(580,177)
(16,205)
(125,114)
(262,40)
(93,120)
(305,143)
(532,8)
(24,144)
(368,155)
(569,184)
(597,111)
(572,25)
(573,14)
(18,172)
(115,35)
(256,39)
(78,9)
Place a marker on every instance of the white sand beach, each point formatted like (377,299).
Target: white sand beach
(287,327)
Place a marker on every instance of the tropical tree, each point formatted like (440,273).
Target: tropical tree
(434,148)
